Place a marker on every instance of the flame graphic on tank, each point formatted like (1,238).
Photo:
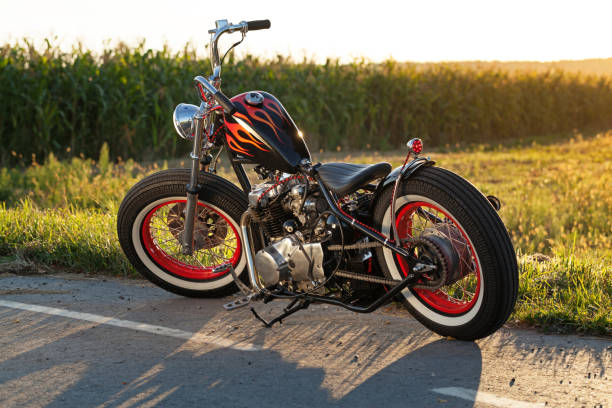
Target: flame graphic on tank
(259,114)
(234,138)
(270,104)
(254,114)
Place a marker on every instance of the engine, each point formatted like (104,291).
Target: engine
(289,259)
(289,212)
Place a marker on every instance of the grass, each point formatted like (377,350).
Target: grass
(565,293)
(71,103)
(557,206)
(77,239)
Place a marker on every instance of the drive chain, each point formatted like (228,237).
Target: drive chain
(359,245)
(368,278)
(391,282)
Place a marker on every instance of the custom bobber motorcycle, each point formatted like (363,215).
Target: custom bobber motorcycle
(352,235)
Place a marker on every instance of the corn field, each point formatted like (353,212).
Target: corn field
(69,104)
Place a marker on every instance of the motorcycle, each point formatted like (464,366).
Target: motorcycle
(351,235)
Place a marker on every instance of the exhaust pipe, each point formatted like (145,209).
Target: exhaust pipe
(245,221)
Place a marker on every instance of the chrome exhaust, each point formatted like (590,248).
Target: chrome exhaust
(245,221)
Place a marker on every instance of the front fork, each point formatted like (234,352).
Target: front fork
(193,188)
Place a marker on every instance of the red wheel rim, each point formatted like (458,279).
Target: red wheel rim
(161,243)
(459,297)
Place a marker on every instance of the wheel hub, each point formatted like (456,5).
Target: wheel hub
(454,250)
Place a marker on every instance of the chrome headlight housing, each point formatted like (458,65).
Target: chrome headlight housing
(183,120)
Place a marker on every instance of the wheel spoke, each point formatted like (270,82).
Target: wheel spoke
(228,246)
(167,229)
(164,241)
(198,261)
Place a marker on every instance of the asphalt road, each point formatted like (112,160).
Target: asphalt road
(75,342)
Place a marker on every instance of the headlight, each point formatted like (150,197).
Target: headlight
(183,120)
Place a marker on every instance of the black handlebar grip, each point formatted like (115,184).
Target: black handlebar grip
(225,102)
(258,25)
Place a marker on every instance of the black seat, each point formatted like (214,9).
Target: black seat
(344,178)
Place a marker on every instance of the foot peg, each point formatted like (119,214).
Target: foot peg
(238,303)
(246,291)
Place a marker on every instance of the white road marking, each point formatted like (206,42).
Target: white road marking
(485,398)
(128,324)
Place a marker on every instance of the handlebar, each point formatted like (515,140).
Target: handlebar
(258,25)
(222,27)
(225,102)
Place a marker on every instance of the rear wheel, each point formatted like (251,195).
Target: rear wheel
(446,221)
(150,225)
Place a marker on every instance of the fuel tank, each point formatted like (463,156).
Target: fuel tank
(262,132)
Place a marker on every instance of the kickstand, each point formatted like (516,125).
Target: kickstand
(289,310)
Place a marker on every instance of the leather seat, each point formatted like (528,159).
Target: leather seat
(344,178)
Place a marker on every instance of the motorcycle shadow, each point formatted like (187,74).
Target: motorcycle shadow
(422,377)
(301,364)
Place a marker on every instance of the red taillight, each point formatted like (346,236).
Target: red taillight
(415,145)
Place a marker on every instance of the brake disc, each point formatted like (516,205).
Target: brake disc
(210,227)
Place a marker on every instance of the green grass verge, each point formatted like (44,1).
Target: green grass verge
(79,239)
(565,293)
(557,207)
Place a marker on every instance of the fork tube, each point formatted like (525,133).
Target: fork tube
(193,188)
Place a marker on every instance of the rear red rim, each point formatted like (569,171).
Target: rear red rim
(459,297)
(161,242)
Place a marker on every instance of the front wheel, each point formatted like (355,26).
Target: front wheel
(150,225)
(446,221)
